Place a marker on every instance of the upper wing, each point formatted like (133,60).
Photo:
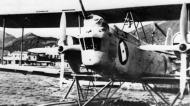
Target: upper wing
(115,14)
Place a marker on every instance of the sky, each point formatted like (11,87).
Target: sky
(32,6)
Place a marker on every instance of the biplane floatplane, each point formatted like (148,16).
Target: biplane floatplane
(112,53)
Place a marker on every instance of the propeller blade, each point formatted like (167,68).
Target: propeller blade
(183,76)
(160,47)
(62,71)
(169,37)
(52,50)
(63,36)
(63,39)
(184,23)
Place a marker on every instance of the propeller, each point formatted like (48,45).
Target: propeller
(62,42)
(64,45)
(183,31)
(181,48)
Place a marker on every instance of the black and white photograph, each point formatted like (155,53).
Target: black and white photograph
(94,53)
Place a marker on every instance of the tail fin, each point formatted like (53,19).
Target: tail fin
(169,37)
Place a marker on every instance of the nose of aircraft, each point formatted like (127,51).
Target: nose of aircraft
(92,46)
(93,41)
(91,57)
(92,52)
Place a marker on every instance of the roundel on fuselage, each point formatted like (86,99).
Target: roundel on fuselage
(123,52)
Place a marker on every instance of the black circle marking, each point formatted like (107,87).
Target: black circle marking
(123,52)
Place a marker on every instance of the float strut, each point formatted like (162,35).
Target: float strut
(69,89)
(175,99)
(158,94)
(97,93)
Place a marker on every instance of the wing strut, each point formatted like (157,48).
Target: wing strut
(84,13)
(21,46)
(24,23)
(4,25)
(129,20)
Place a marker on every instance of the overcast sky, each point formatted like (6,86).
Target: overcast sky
(31,6)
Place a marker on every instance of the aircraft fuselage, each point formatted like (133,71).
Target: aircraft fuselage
(114,53)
